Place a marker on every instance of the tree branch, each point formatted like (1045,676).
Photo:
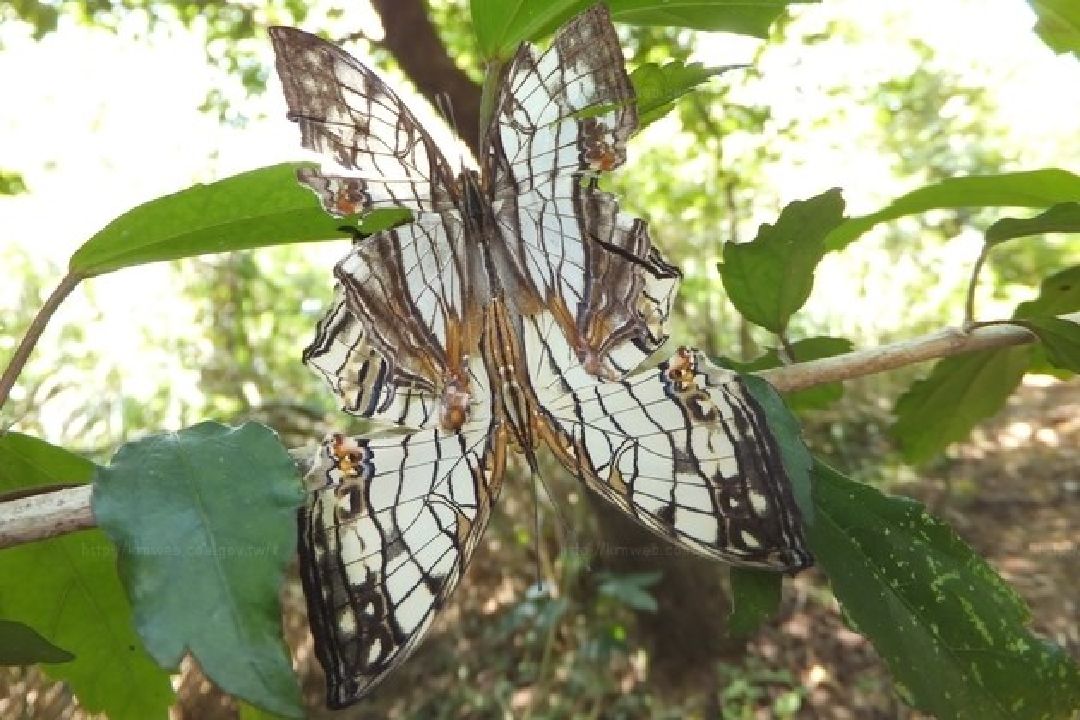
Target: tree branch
(414,42)
(59,512)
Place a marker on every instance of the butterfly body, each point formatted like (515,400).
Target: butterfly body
(508,315)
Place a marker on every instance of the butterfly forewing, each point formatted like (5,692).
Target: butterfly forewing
(564,116)
(346,112)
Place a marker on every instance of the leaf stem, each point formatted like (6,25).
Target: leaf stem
(969,304)
(492,76)
(33,334)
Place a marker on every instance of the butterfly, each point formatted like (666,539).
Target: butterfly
(508,315)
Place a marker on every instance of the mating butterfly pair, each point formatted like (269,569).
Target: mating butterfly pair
(508,315)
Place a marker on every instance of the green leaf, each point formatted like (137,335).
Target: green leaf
(1033,188)
(959,392)
(23,645)
(755,597)
(657,87)
(629,589)
(806,349)
(1058,294)
(785,428)
(769,278)
(68,587)
(204,520)
(502,25)
(1063,217)
(1058,24)
(26,461)
(736,16)
(951,631)
(1061,340)
(253,209)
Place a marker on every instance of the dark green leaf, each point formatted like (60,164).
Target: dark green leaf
(755,596)
(1063,217)
(951,631)
(959,392)
(785,428)
(1058,24)
(1034,188)
(1061,340)
(803,350)
(657,87)
(254,209)
(69,586)
(23,645)
(1058,294)
(769,278)
(737,16)
(204,520)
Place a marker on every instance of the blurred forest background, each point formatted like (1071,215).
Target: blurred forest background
(106,105)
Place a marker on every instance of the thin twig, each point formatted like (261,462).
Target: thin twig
(33,334)
(56,513)
(969,304)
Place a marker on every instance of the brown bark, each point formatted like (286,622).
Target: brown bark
(414,42)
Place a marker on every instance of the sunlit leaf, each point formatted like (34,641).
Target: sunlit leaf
(736,16)
(11,183)
(1063,217)
(23,645)
(657,87)
(770,278)
(1058,24)
(254,209)
(959,392)
(204,520)
(502,25)
(1058,294)
(27,461)
(951,631)
(755,597)
(1033,188)
(1060,339)
(69,589)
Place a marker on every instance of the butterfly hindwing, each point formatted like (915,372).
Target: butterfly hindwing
(682,448)
(386,539)
(403,320)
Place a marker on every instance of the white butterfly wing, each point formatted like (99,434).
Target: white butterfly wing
(390,531)
(683,448)
(564,116)
(346,112)
(403,321)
